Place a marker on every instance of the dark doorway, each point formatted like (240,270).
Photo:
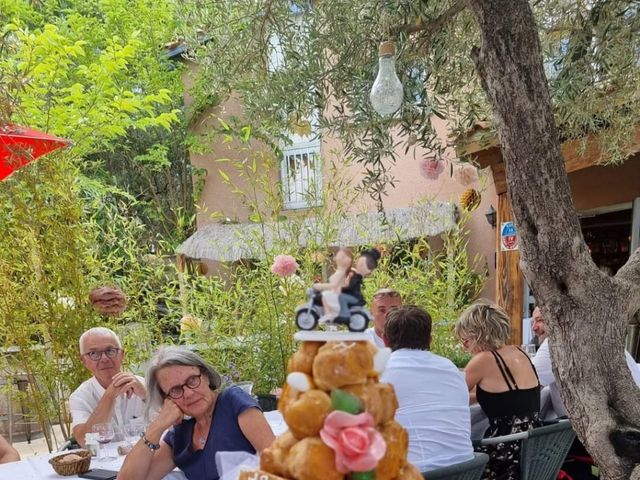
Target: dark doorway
(608,236)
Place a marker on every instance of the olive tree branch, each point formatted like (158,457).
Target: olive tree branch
(432,27)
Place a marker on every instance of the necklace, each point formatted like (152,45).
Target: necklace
(201,438)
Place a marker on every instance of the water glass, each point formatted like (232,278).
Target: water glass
(529,349)
(133,431)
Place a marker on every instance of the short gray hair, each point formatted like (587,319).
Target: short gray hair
(486,324)
(169,356)
(98,332)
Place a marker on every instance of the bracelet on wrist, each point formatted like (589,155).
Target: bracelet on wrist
(150,445)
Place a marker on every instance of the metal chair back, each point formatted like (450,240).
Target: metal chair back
(544,450)
(469,470)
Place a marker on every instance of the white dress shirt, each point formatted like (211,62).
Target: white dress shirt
(433,407)
(85,399)
(542,362)
(374,338)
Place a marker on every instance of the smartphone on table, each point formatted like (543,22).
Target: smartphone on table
(99,474)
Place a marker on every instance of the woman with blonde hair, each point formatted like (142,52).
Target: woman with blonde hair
(504,380)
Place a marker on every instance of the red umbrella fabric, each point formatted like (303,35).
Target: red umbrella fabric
(20,146)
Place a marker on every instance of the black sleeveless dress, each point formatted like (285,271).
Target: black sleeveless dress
(514,411)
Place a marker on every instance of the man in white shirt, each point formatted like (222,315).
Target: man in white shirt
(542,362)
(110,395)
(432,393)
(383,300)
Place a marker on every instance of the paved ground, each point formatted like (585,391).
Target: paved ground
(38,445)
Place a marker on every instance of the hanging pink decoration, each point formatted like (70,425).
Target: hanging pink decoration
(431,168)
(466,175)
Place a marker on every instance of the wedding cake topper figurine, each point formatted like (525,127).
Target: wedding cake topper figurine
(340,301)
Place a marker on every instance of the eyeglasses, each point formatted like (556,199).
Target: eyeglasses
(386,293)
(109,352)
(192,382)
(466,341)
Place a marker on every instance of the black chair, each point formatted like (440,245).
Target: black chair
(469,470)
(267,402)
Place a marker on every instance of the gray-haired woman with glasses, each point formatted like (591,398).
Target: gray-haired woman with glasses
(183,384)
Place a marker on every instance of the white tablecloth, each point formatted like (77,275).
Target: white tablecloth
(276,422)
(38,467)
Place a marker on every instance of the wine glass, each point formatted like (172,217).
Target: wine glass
(105,433)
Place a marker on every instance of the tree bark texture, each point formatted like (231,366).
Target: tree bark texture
(587,312)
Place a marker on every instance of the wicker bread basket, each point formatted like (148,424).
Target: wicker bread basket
(75,467)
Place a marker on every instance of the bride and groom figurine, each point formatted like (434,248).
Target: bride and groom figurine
(340,300)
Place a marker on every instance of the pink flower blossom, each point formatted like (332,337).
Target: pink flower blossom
(284,265)
(358,446)
(466,175)
(430,168)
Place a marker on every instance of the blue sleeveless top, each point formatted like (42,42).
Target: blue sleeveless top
(224,436)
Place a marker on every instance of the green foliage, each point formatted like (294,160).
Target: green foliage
(329,50)
(96,73)
(44,269)
(92,72)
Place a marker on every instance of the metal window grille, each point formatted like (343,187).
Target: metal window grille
(301,176)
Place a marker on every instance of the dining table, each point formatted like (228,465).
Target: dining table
(38,468)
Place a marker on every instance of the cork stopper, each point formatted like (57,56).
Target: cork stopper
(386,49)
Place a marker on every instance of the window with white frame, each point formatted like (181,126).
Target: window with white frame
(301,175)
(300,169)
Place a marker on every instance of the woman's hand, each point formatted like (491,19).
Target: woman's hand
(169,416)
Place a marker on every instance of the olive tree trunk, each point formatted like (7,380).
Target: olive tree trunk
(587,311)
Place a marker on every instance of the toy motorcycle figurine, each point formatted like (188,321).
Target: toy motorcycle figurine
(340,300)
(308,315)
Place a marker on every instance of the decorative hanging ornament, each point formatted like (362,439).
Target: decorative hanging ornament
(470,199)
(386,93)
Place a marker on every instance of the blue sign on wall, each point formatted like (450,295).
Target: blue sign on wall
(508,237)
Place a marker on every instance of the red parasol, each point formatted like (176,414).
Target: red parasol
(20,146)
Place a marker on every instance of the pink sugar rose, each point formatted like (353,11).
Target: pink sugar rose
(430,168)
(358,446)
(466,175)
(284,265)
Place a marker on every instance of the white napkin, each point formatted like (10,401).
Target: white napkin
(230,464)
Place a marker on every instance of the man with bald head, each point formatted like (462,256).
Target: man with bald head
(110,395)
(383,300)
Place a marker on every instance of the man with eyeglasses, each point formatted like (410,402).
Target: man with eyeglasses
(110,395)
(383,300)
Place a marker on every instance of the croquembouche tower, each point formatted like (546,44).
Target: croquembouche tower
(340,417)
